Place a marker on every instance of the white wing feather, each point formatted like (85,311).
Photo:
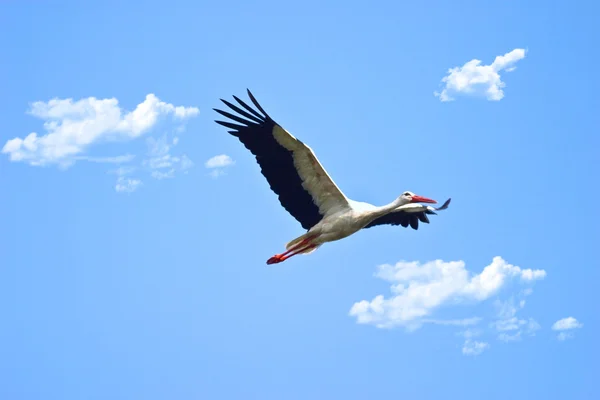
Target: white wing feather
(325,193)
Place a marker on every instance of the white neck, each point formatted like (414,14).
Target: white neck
(383,210)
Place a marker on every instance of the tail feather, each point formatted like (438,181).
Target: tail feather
(294,242)
(298,240)
(308,251)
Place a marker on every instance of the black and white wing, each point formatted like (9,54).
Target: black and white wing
(291,168)
(408,215)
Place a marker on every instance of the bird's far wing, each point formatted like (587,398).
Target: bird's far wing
(291,168)
(409,215)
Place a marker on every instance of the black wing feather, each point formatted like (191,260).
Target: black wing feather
(275,161)
(405,219)
(247,107)
(423,217)
(240,111)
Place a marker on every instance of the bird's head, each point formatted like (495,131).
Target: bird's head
(409,197)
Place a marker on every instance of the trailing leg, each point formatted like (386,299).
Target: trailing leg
(297,246)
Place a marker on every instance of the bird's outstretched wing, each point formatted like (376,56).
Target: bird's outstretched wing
(408,215)
(291,168)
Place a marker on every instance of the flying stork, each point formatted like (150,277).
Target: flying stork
(305,189)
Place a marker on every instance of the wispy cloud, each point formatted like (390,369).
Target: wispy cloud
(419,289)
(508,326)
(474,348)
(453,322)
(127,185)
(474,79)
(108,160)
(73,127)
(161,163)
(471,346)
(217,164)
(564,326)
(125,182)
(470,333)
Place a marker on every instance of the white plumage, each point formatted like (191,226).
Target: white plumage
(305,189)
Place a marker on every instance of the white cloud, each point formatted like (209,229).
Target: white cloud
(215,173)
(474,79)
(123,170)
(469,333)
(508,337)
(163,175)
(514,328)
(217,163)
(110,160)
(509,324)
(74,126)
(511,328)
(564,336)
(418,289)
(124,183)
(527,291)
(453,322)
(161,163)
(474,348)
(127,185)
(566,323)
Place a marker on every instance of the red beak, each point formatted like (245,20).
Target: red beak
(419,199)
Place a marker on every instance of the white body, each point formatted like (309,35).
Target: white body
(342,216)
(345,221)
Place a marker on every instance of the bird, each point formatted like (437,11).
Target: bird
(305,189)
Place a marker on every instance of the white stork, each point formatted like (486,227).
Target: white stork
(305,189)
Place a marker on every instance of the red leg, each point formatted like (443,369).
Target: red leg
(294,250)
(310,246)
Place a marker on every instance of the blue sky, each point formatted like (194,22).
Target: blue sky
(132,270)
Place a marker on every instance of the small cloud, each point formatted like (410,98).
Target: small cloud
(564,326)
(474,79)
(124,170)
(470,333)
(215,173)
(419,289)
(453,322)
(532,326)
(162,164)
(124,183)
(515,330)
(527,291)
(185,162)
(564,336)
(127,185)
(159,147)
(509,324)
(217,163)
(511,328)
(507,337)
(474,348)
(163,175)
(73,127)
(108,160)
